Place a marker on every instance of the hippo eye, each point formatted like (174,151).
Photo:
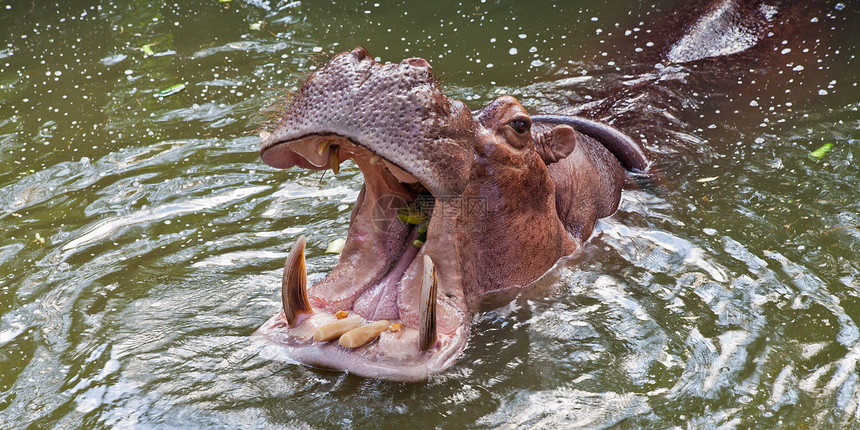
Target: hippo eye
(520,126)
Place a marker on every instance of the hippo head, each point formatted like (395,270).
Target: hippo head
(455,204)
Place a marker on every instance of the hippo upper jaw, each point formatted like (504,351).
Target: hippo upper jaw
(396,111)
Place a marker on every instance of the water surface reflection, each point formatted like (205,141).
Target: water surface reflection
(142,238)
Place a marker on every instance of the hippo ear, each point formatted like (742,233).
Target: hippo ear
(555,144)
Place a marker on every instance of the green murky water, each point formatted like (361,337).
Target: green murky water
(141,239)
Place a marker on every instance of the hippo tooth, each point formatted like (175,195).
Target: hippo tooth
(294,286)
(334,159)
(427,307)
(323,146)
(363,335)
(337,329)
(375,160)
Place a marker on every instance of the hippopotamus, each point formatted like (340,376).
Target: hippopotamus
(457,204)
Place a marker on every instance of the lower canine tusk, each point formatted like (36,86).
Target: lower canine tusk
(294,286)
(427,307)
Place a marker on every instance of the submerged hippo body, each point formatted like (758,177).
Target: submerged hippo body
(504,197)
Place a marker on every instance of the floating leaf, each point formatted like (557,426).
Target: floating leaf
(256,25)
(147,49)
(821,151)
(411,218)
(412,214)
(708,179)
(336,246)
(171,91)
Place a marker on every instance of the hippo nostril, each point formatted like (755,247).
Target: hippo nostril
(361,53)
(417,62)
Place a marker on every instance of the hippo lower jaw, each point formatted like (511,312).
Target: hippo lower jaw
(378,276)
(393,355)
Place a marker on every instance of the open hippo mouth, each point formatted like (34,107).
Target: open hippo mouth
(394,305)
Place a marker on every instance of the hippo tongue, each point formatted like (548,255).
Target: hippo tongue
(380,301)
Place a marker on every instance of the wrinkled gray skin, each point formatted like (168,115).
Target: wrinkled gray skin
(510,198)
